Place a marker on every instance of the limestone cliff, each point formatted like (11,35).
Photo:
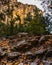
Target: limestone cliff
(17,8)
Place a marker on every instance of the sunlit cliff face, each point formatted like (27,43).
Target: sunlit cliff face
(33,2)
(18,9)
(22,11)
(44,5)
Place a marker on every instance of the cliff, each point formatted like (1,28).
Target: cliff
(17,8)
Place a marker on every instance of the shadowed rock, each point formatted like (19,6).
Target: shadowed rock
(45,62)
(33,63)
(2,53)
(41,51)
(21,46)
(13,55)
(42,38)
(23,34)
(20,64)
(30,55)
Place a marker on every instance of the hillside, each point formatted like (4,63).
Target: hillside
(15,8)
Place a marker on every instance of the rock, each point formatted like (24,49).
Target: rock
(49,49)
(21,43)
(3,48)
(9,63)
(42,38)
(48,36)
(33,41)
(24,48)
(16,63)
(13,48)
(13,55)
(40,51)
(18,45)
(48,54)
(33,63)
(22,34)
(47,62)
(21,46)
(29,55)
(11,37)
(2,53)
(3,38)
(20,64)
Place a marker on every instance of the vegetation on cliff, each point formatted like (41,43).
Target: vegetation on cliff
(33,24)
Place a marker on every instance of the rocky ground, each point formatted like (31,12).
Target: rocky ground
(24,49)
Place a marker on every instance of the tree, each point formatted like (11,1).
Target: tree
(2,16)
(28,17)
(38,24)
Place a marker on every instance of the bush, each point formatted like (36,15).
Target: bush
(37,25)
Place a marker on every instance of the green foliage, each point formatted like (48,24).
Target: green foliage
(28,17)
(12,27)
(9,29)
(3,28)
(32,24)
(2,16)
(37,25)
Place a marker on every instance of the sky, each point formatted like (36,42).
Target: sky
(33,2)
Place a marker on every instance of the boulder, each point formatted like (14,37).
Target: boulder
(13,55)
(22,34)
(48,53)
(29,55)
(21,42)
(42,38)
(2,53)
(41,51)
(33,63)
(20,64)
(45,62)
(3,48)
(48,56)
(33,41)
(24,48)
(21,46)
